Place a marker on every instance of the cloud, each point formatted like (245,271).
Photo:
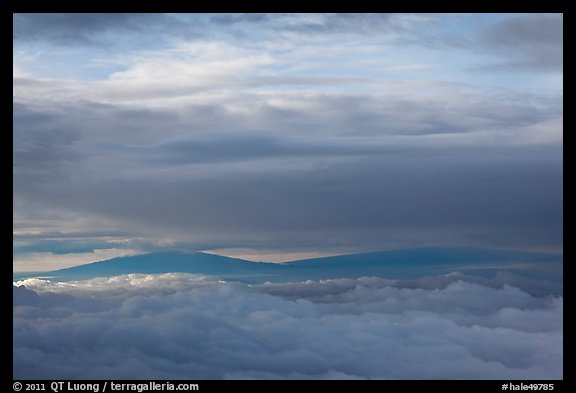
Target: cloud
(318,170)
(527,42)
(180,326)
(137,106)
(284,131)
(93,29)
(40,148)
(74,29)
(340,23)
(294,190)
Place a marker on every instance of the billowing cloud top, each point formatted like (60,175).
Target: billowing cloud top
(180,326)
(288,132)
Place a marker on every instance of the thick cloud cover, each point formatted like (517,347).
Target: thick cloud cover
(185,326)
(323,133)
(338,178)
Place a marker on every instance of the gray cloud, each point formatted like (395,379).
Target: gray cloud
(342,23)
(350,174)
(99,28)
(258,156)
(94,29)
(521,42)
(41,148)
(179,326)
(231,19)
(508,199)
(531,42)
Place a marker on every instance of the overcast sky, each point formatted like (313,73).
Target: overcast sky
(284,134)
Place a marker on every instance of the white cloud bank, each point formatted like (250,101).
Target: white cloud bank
(182,326)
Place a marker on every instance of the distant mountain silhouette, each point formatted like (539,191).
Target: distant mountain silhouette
(395,264)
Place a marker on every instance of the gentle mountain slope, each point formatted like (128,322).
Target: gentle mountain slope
(398,264)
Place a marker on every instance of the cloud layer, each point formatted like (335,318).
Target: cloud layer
(188,327)
(405,171)
(287,132)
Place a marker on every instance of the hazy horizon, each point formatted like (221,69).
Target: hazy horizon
(257,256)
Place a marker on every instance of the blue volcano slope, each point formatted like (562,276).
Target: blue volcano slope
(395,264)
